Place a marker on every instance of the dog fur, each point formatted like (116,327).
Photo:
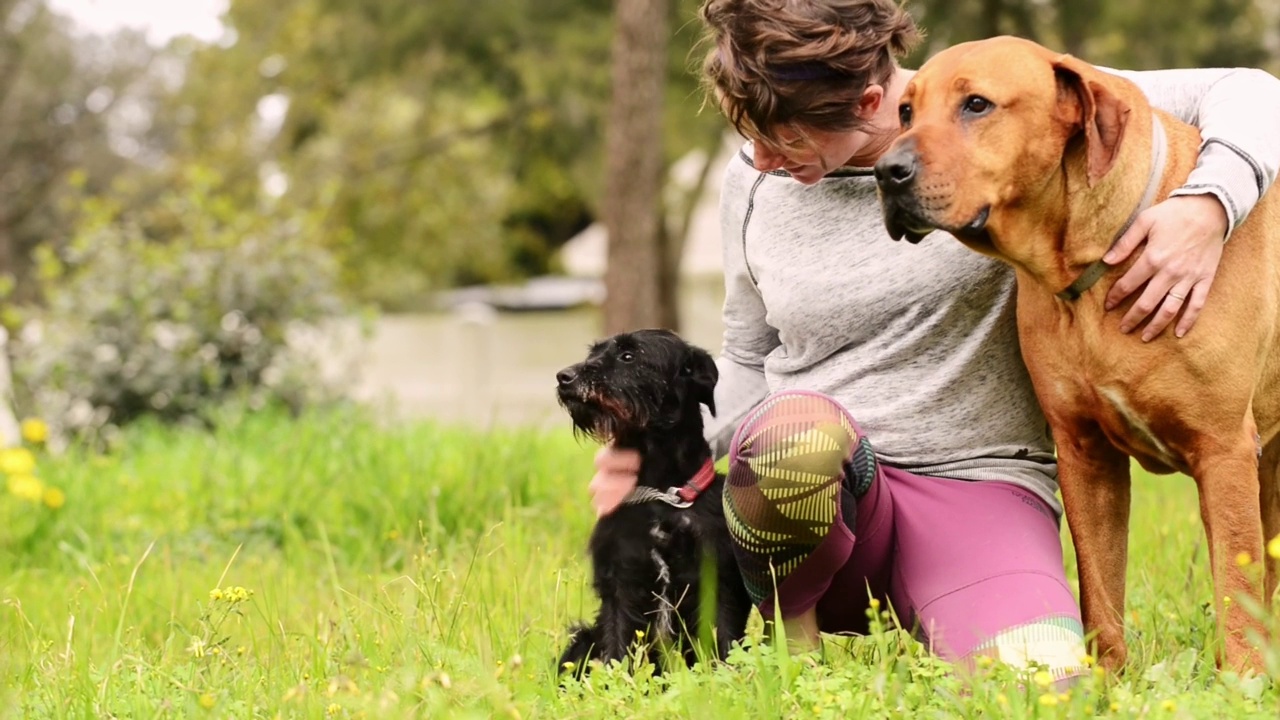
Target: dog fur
(643,391)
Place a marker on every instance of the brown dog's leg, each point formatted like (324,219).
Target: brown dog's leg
(1227,476)
(1094,477)
(1269,499)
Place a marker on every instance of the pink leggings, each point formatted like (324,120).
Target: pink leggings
(974,568)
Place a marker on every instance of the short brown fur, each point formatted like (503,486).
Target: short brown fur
(1060,164)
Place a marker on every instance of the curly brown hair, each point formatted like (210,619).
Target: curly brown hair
(801,64)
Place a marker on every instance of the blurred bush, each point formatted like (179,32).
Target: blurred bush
(166,318)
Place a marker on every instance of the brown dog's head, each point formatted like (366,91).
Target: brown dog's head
(987,127)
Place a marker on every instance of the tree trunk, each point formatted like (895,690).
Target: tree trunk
(632,206)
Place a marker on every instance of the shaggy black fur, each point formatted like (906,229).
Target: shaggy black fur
(643,390)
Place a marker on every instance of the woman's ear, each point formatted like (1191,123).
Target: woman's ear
(869,103)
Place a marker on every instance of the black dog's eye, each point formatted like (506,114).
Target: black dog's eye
(627,356)
(977,105)
(904,116)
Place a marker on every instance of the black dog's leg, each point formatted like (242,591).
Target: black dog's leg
(624,621)
(732,611)
(584,643)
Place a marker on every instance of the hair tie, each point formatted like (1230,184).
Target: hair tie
(806,71)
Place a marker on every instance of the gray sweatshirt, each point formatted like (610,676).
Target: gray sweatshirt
(919,341)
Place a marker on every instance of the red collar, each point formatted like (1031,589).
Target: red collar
(699,483)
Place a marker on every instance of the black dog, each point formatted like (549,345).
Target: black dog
(643,390)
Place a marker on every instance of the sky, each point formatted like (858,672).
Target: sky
(161,19)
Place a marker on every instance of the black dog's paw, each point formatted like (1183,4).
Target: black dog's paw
(583,642)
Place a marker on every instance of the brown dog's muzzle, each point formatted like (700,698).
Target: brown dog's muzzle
(896,174)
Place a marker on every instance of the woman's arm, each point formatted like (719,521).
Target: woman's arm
(1237,112)
(748,338)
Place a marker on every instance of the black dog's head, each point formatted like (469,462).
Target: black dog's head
(636,382)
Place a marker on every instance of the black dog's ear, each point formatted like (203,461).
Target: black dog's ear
(700,368)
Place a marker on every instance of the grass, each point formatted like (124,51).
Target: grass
(425,571)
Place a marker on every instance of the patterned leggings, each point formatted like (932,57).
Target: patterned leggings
(974,568)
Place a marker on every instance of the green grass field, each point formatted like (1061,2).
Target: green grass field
(421,571)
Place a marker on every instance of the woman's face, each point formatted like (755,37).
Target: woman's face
(807,157)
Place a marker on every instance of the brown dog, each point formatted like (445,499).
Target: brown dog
(1042,160)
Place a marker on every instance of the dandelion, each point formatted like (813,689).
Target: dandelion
(54,498)
(1049,700)
(1244,559)
(35,431)
(1087,661)
(207,701)
(1169,706)
(1043,678)
(985,661)
(215,594)
(333,709)
(1273,548)
(1001,700)
(25,487)
(639,634)
(17,461)
(1115,706)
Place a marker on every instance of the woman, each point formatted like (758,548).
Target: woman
(953,518)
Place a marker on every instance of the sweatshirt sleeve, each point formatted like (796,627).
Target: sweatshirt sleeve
(748,338)
(1238,113)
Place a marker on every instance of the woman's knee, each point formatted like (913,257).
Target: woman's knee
(795,437)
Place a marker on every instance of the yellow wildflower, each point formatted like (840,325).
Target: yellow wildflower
(34,431)
(17,461)
(1048,699)
(1273,548)
(874,603)
(215,594)
(207,701)
(1043,679)
(1169,705)
(333,709)
(26,487)
(54,498)
(1244,559)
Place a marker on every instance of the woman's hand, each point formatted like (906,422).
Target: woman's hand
(617,472)
(1184,237)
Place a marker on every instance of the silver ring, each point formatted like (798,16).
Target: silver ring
(1176,296)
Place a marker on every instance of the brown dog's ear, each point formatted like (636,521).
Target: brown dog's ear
(1092,107)
(700,368)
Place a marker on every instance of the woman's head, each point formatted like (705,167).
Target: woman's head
(793,68)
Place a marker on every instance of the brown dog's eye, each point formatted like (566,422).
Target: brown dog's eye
(904,115)
(627,357)
(977,105)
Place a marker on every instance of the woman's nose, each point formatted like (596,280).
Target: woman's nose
(766,160)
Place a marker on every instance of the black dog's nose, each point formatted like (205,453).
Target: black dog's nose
(566,376)
(897,169)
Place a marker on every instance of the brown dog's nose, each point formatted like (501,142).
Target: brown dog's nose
(896,170)
(566,376)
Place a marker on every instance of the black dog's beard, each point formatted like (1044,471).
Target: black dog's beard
(607,416)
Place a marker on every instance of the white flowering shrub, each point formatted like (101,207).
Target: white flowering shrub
(132,327)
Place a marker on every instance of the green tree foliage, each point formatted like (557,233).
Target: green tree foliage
(1139,35)
(57,96)
(448,143)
